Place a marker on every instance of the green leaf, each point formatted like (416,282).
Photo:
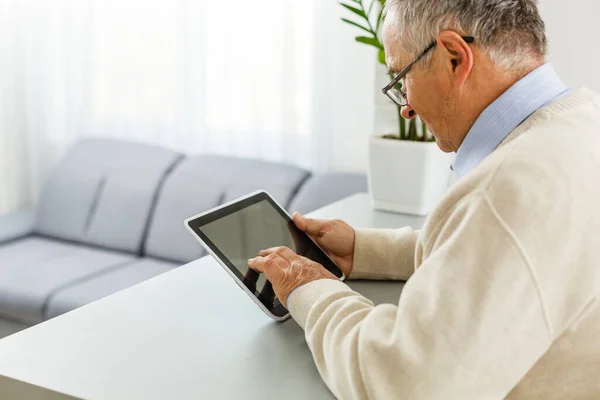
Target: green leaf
(412,130)
(380,19)
(381,57)
(355,10)
(402,123)
(357,25)
(370,7)
(370,41)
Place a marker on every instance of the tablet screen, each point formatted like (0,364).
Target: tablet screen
(238,232)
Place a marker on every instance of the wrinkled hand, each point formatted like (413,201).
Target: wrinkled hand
(334,236)
(287,270)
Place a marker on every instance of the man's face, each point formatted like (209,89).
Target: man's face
(428,88)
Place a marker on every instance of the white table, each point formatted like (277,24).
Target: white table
(190,333)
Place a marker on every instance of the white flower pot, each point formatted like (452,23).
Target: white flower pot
(407,177)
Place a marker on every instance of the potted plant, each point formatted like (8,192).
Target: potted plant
(408,173)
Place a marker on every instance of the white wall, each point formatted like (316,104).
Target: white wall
(572,31)
(345,107)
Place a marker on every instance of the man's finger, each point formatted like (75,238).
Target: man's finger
(311,226)
(285,252)
(262,264)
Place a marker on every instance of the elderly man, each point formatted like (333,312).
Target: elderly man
(502,299)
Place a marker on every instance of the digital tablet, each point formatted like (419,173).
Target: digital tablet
(238,230)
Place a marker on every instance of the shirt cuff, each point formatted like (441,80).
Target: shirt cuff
(305,296)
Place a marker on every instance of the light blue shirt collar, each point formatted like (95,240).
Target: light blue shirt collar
(539,88)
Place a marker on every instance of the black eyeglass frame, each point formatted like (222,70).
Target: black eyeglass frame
(405,71)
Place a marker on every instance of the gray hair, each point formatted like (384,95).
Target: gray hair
(511,31)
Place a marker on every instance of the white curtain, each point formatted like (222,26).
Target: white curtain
(278,80)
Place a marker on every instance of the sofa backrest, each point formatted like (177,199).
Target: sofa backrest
(202,182)
(102,193)
(326,188)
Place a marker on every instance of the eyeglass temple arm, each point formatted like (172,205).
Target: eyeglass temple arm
(468,39)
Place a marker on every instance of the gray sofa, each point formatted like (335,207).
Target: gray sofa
(111,216)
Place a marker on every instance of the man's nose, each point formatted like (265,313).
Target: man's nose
(408,112)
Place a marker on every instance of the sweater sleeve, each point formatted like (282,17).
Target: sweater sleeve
(469,325)
(384,254)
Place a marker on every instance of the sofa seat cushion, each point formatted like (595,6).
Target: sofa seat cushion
(206,181)
(105,284)
(34,268)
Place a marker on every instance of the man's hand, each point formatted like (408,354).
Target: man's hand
(334,236)
(287,270)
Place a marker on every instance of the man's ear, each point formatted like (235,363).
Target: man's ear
(457,55)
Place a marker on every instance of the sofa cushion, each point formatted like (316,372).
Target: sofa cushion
(34,268)
(67,200)
(104,284)
(203,182)
(102,193)
(323,189)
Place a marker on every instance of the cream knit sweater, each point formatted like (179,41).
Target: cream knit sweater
(502,300)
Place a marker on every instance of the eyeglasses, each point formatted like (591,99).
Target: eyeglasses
(394,90)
